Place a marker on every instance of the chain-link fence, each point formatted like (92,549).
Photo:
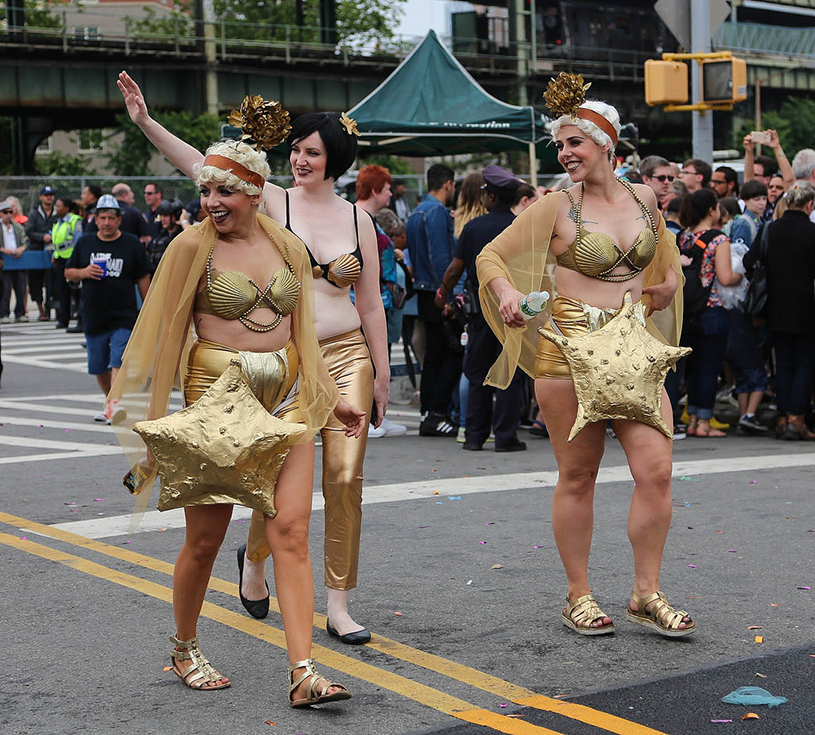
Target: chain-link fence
(27,188)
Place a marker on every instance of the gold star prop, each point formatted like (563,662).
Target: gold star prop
(263,121)
(225,448)
(619,370)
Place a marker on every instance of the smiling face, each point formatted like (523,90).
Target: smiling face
(229,210)
(578,153)
(308,158)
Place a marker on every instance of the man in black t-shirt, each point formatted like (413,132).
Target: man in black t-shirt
(111,264)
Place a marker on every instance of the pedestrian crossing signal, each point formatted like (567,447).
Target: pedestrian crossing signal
(666,82)
(724,81)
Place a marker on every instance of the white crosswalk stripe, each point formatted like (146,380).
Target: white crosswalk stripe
(39,344)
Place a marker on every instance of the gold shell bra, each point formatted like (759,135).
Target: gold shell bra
(596,255)
(233,295)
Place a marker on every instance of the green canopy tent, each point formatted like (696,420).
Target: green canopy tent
(431,106)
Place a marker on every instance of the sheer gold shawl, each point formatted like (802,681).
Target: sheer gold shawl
(521,255)
(156,356)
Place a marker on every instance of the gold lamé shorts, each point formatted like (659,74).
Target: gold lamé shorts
(571,318)
(272,376)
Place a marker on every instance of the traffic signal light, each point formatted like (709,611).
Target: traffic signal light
(724,80)
(666,82)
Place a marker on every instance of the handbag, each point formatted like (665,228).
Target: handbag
(398,294)
(755,302)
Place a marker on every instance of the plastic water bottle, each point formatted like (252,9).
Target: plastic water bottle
(533,304)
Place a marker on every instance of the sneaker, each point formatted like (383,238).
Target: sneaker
(436,424)
(680,432)
(749,425)
(111,414)
(22,318)
(392,428)
(460,436)
(5,320)
(376,432)
(102,416)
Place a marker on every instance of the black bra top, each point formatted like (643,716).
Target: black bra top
(340,272)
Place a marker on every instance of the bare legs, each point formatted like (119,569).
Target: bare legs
(206,528)
(649,457)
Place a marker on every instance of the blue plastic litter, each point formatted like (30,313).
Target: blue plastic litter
(753,696)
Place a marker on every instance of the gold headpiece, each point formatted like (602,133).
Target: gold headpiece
(349,124)
(564,95)
(263,121)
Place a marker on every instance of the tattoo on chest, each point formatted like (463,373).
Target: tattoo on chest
(583,220)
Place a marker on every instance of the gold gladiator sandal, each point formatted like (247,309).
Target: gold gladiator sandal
(662,617)
(201,672)
(580,614)
(316,694)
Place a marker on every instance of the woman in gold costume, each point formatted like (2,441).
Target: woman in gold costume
(604,244)
(212,282)
(343,253)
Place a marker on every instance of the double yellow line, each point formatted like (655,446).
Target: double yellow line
(404,686)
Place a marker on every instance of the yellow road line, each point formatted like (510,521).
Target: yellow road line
(420,693)
(590,716)
(465,674)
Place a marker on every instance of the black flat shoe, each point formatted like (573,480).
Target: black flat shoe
(256,608)
(352,639)
(516,446)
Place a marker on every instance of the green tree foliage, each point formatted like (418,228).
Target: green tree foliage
(43,13)
(63,164)
(358,21)
(132,155)
(397,166)
(793,122)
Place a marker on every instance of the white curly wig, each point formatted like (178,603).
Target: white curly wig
(589,128)
(240,153)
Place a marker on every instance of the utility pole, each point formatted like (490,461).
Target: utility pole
(700,43)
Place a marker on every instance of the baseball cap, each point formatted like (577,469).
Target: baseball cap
(500,178)
(46,190)
(108,201)
(6,205)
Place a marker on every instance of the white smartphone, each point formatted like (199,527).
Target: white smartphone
(760,137)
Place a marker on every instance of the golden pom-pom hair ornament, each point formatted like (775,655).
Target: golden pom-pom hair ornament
(566,93)
(349,124)
(264,122)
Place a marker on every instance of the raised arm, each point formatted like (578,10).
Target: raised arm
(784,165)
(182,155)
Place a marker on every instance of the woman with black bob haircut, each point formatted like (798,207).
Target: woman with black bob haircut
(340,147)
(343,252)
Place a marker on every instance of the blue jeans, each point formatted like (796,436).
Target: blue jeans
(794,362)
(706,335)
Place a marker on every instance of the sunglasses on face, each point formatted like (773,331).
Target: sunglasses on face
(6,211)
(662,179)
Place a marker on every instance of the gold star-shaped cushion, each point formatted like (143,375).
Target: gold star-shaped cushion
(224,448)
(618,370)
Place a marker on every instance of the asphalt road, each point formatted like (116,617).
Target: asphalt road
(459,646)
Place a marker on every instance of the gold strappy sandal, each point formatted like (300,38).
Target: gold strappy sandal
(662,617)
(201,672)
(580,614)
(315,693)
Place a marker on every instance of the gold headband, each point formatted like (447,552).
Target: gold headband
(235,168)
(599,121)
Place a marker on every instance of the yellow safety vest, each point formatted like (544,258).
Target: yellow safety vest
(62,236)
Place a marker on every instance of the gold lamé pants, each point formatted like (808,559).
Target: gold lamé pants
(270,375)
(349,363)
(571,318)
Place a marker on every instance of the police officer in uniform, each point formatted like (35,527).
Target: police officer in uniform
(483,347)
(65,231)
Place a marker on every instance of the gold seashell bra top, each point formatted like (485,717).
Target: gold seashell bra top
(233,295)
(340,272)
(596,255)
